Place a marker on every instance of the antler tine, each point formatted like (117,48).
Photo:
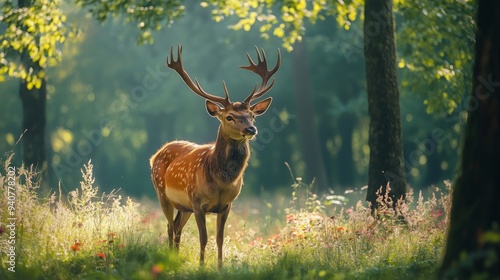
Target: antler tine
(260,68)
(225,91)
(194,86)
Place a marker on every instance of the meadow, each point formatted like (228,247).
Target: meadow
(88,234)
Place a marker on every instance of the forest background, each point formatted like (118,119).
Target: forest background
(112,100)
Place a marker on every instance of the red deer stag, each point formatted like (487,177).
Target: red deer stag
(203,179)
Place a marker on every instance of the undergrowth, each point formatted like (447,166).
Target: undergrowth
(88,234)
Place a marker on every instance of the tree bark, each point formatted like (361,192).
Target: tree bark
(385,137)
(34,121)
(34,115)
(473,246)
(308,134)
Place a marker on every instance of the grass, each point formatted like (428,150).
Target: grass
(91,235)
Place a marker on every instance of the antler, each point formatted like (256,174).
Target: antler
(195,87)
(261,69)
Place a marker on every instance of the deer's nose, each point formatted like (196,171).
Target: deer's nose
(251,130)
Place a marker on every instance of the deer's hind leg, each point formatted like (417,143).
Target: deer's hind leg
(168,210)
(180,221)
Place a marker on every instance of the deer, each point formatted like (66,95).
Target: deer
(203,179)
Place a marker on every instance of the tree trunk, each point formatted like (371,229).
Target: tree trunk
(473,246)
(308,134)
(33,106)
(385,137)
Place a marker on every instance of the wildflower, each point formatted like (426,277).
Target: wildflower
(437,214)
(314,218)
(101,255)
(339,229)
(157,269)
(2,230)
(76,245)
(290,218)
(256,242)
(286,242)
(273,239)
(121,245)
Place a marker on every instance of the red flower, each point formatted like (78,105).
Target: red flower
(290,218)
(76,246)
(339,229)
(156,269)
(437,214)
(101,255)
(2,230)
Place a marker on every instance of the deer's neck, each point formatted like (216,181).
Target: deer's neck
(229,159)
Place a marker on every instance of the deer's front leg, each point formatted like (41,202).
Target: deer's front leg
(199,215)
(221,221)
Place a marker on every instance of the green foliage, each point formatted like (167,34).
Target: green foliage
(284,19)
(288,25)
(40,28)
(93,235)
(436,40)
(149,15)
(37,30)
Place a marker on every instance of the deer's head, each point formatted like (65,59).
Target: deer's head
(237,118)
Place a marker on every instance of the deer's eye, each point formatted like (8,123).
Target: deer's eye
(229,118)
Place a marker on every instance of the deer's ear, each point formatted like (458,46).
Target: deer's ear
(213,109)
(261,107)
